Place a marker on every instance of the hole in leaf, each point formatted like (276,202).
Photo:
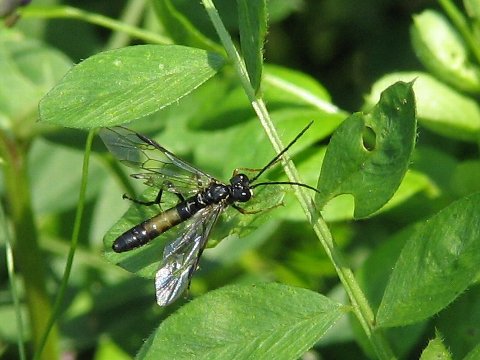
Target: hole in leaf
(369,138)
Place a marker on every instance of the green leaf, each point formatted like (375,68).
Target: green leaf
(289,122)
(439,107)
(441,50)
(458,320)
(413,183)
(280,9)
(368,154)
(465,178)
(181,29)
(474,354)
(252,23)
(283,85)
(48,161)
(245,321)
(436,350)
(107,349)
(118,86)
(28,70)
(472,7)
(439,261)
(373,277)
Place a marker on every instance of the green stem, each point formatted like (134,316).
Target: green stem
(28,256)
(68,12)
(359,301)
(13,284)
(131,15)
(73,246)
(462,25)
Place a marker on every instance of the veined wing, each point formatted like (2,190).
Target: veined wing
(162,168)
(180,258)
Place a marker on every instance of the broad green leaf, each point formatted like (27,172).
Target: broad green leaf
(289,122)
(280,9)
(441,50)
(252,21)
(229,107)
(439,107)
(436,350)
(283,85)
(439,261)
(474,354)
(180,28)
(28,69)
(107,349)
(369,153)
(342,207)
(258,321)
(373,277)
(472,7)
(465,178)
(413,183)
(458,320)
(120,85)
(426,159)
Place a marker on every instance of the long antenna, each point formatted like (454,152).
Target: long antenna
(275,159)
(285,183)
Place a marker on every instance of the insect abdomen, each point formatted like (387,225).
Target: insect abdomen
(149,229)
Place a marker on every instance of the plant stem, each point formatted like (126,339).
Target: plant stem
(359,301)
(27,254)
(68,12)
(131,15)
(13,284)
(73,246)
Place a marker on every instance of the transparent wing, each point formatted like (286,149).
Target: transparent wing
(162,168)
(180,258)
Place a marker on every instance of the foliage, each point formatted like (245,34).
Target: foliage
(400,283)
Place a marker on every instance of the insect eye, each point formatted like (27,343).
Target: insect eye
(241,194)
(240,180)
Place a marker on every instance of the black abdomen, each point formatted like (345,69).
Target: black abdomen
(149,229)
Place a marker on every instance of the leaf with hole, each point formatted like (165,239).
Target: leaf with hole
(369,153)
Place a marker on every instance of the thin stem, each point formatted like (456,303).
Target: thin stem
(13,285)
(131,15)
(68,12)
(28,256)
(360,304)
(73,245)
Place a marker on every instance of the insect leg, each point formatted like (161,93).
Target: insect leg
(237,170)
(146,203)
(250,212)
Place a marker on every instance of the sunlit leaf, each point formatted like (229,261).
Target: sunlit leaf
(439,261)
(247,321)
(439,107)
(121,85)
(369,153)
(441,49)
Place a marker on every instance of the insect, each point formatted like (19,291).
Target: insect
(201,200)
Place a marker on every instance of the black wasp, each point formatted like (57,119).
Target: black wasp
(202,198)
